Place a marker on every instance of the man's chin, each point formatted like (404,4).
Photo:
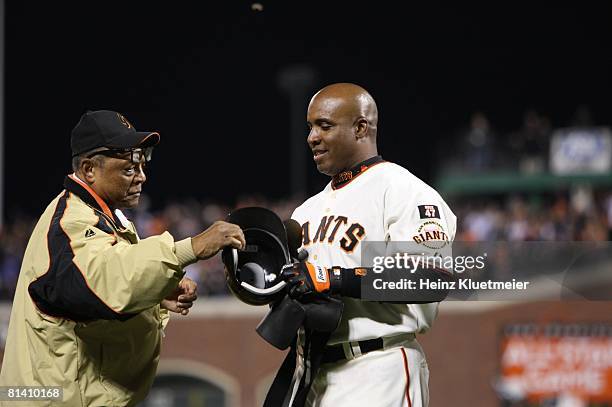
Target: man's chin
(325,170)
(131,202)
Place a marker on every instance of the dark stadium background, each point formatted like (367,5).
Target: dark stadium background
(205,75)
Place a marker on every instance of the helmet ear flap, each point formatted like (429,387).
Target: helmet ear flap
(253,274)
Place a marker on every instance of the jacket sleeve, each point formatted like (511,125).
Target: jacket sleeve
(94,276)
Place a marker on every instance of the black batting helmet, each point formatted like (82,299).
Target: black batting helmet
(253,274)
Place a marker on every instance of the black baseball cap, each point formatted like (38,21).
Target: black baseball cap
(105,128)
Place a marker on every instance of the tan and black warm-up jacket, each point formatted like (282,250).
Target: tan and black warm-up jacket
(86,314)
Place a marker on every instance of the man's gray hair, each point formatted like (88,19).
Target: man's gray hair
(98,160)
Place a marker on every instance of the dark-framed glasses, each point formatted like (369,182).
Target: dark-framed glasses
(136,155)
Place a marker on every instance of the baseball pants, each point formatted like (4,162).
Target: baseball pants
(396,376)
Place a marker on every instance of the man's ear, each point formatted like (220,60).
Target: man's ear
(361,127)
(88,170)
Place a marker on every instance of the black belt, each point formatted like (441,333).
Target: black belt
(335,353)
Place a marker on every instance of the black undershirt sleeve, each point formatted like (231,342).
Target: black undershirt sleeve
(347,282)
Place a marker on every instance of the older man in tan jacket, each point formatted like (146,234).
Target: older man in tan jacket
(92,299)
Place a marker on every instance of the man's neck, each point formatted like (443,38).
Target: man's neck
(361,159)
(344,177)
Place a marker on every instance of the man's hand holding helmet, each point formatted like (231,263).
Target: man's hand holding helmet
(218,236)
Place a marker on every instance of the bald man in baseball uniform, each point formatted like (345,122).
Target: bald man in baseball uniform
(373,357)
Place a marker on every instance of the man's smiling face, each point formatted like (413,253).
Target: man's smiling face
(332,134)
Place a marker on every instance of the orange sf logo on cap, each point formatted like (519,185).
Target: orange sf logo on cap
(124,121)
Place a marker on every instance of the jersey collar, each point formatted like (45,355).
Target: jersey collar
(345,177)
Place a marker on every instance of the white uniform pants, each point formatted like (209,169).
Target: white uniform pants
(396,376)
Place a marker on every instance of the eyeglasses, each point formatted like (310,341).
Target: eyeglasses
(137,155)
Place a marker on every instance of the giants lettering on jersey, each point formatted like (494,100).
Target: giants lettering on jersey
(328,229)
(431,234)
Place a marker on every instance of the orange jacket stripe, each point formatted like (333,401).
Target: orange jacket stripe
(99,200)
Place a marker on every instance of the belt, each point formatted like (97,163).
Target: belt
(350,350)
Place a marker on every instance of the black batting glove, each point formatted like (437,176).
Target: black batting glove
(306,280)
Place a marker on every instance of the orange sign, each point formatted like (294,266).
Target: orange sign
(540,366)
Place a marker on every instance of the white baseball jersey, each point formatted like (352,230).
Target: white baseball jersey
(382,202)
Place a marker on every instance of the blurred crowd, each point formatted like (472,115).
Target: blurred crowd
(580,215)
(480,146)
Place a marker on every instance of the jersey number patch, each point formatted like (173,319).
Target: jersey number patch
(429,212)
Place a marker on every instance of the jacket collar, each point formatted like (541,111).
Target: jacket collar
(345,177)
(73,184)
